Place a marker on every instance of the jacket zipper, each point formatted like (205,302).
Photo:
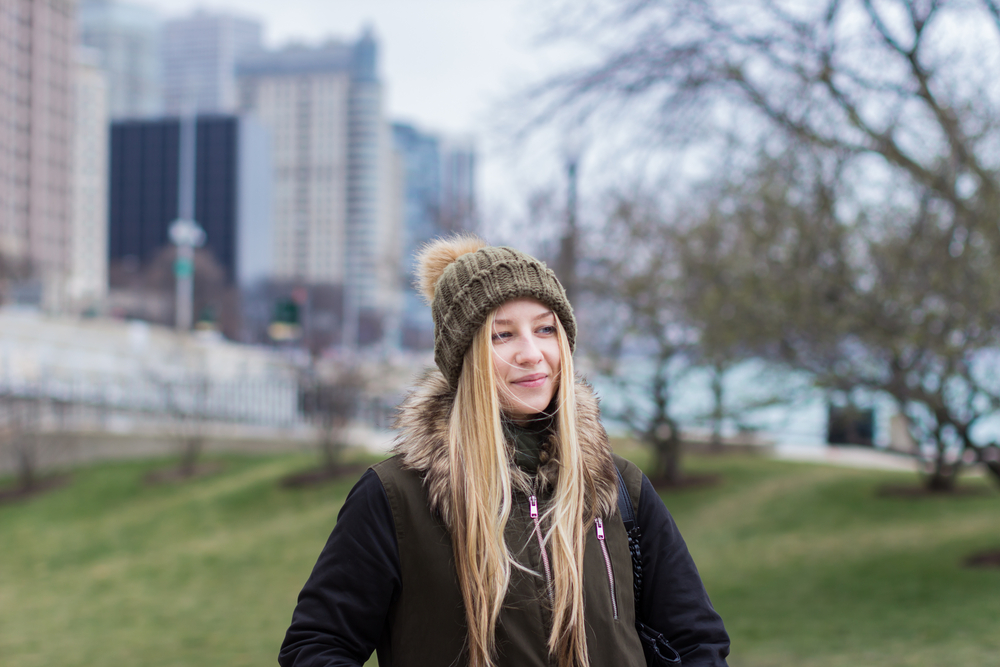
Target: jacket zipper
(607,563)
(533,506)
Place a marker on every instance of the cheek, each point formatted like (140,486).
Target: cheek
(500,362)
(552,356)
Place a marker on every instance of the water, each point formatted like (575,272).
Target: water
(779,406)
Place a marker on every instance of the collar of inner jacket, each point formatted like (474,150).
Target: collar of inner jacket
(530,441)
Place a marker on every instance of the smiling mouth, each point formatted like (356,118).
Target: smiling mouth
(536,380)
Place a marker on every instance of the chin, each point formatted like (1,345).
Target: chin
(529,405)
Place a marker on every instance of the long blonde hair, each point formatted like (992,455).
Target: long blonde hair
(481,501)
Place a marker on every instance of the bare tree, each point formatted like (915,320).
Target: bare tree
(644,343)
(734,320)
(873,211)
(330,395)
(23,416)
(880,77)
(330,403)
(887,303)
(184,405)
(147,292)
(19,428)
(668,304)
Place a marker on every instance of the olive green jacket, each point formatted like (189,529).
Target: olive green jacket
(426,622)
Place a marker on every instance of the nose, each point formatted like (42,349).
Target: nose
(528,353)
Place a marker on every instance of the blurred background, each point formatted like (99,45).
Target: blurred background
(778,223)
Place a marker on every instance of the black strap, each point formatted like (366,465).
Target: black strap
(627,511)
(657,650)
(625,507)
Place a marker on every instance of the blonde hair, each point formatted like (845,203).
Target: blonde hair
(481,500)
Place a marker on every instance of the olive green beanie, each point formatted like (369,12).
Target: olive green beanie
(464,280)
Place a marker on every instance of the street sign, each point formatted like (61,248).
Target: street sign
(183,267)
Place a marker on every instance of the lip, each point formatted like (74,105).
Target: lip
(533,380)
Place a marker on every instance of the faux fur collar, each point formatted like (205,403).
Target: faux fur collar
(422,423)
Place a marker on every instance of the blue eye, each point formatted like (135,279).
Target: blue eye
(499,335)
(550,329)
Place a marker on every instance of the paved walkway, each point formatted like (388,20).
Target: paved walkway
(848,456)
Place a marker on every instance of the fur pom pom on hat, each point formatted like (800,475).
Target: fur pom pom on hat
(463,280)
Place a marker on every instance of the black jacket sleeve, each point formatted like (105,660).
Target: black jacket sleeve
(342,609)
(674,601)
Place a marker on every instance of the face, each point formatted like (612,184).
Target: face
(525,356)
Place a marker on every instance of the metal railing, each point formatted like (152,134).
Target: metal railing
(151,403)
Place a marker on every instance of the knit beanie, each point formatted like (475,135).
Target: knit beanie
(463,280)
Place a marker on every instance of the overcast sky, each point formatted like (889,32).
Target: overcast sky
(445,63)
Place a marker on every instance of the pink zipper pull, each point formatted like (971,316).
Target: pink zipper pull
(600,528)
(533,503)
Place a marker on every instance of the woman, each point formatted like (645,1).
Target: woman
(493,535)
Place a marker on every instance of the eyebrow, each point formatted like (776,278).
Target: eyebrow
(534,319)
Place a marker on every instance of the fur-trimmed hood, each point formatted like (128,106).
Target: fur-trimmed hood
(422,443)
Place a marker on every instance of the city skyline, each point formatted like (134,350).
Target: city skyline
(339,216)
(446,61)
(449,66)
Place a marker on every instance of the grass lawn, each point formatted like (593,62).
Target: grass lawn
(806,565)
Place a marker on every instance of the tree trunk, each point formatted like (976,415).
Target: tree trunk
(330,448)
(989,456)
(943,477)
(25,424)
(189,457)
(667,459)
(672,474)
(994,468)
(717,408)
(26,464)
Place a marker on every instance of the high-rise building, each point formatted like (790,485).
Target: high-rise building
(391,277)
(200,53)
(439,200)
(458,185)
(37,43)
(301,95)
(87,280)
(336,193)
(421,155)
(365,127)
(127,36)
(232,191)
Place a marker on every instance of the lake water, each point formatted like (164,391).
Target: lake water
(799,420)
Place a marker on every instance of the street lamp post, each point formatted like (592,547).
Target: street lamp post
(184,232)
(568,244)
(186,235)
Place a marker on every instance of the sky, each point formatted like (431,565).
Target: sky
(446,64)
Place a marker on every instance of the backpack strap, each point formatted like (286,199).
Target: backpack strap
(625,507)
(655,647)
(627,511)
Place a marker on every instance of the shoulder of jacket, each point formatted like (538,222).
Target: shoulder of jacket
(393,468)
(632,476)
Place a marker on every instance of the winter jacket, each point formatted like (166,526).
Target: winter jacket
(386,578)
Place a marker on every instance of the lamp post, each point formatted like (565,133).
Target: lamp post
(184,232)
(568,244)
(186,235)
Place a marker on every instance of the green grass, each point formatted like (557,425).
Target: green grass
(806,565)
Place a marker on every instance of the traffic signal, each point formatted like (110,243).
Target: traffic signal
(286,311)
(285,323)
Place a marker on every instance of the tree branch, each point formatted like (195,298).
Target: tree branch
(994,9)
